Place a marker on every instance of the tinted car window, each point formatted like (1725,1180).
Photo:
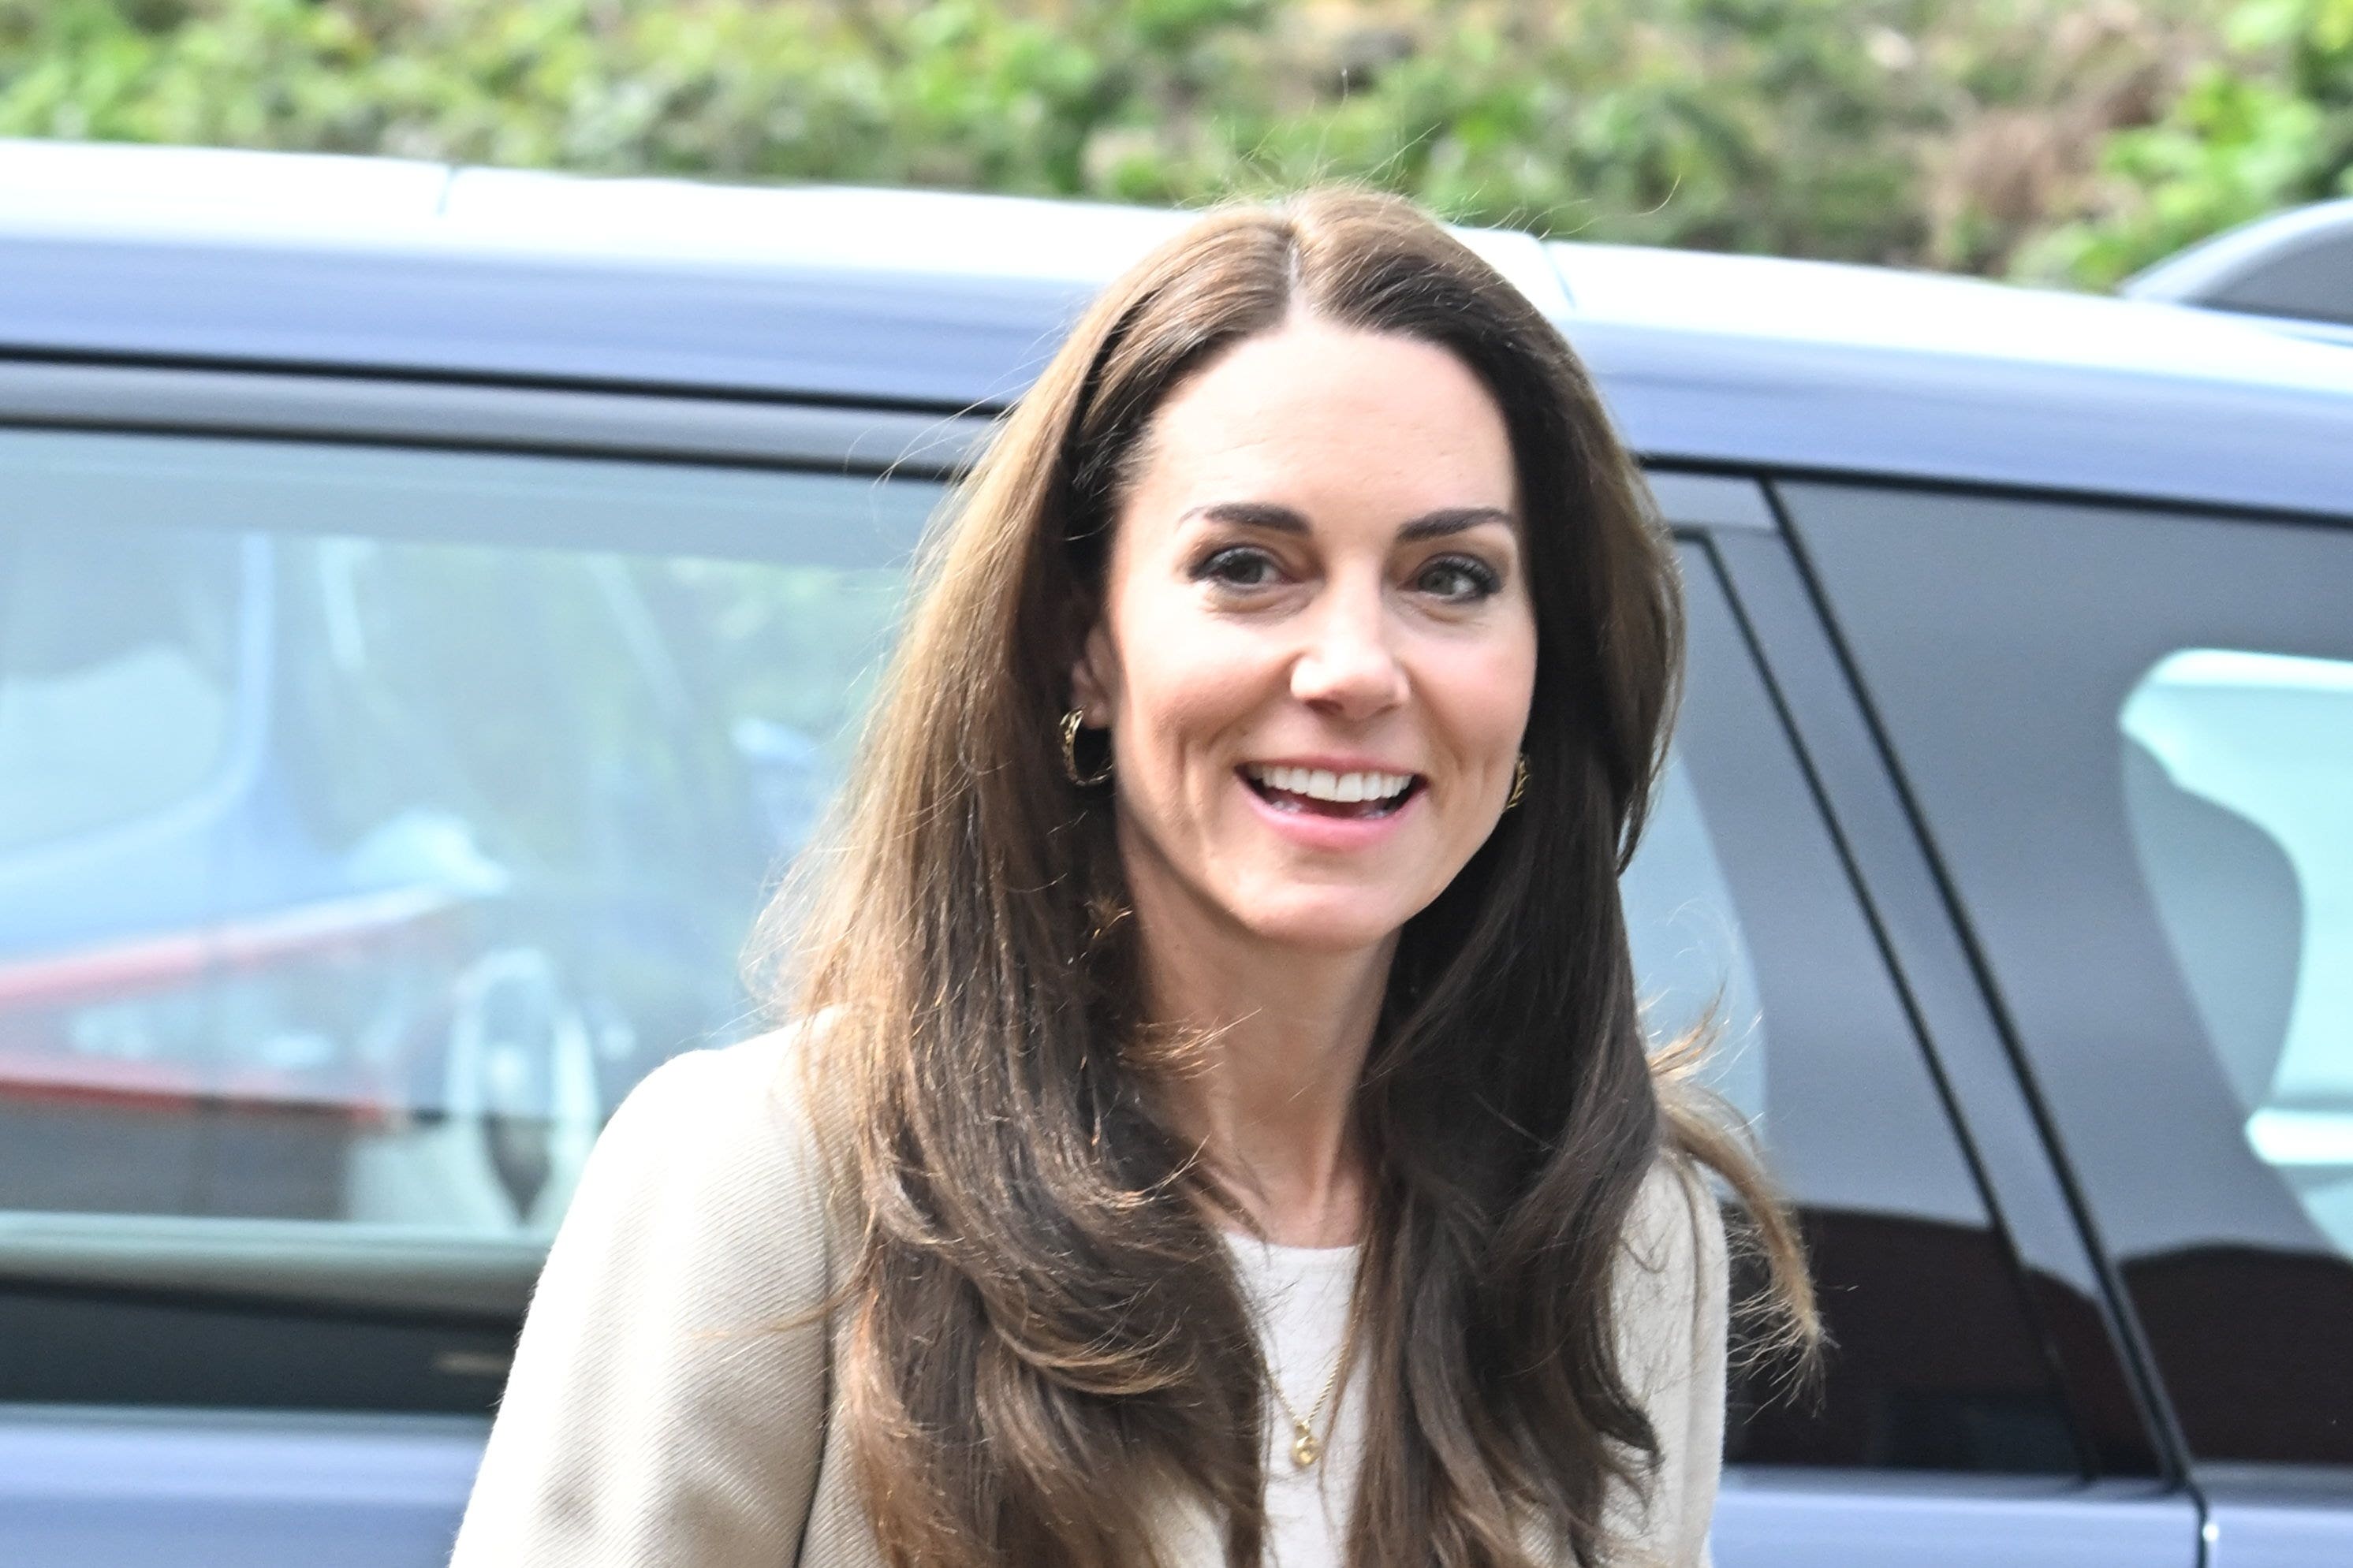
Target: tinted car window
(2131,736)
(370,822)
(2238,785)
(1744,922)
(162,644)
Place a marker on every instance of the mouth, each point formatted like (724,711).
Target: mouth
(1318,792)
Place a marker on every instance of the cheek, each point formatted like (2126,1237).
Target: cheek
(1189,691)
(1485,689)
(1183,678)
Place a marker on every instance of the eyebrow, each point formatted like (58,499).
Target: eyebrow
(1283,519)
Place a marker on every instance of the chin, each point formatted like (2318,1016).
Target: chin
(1326,923)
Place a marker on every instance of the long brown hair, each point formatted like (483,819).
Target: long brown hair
(1044,1332)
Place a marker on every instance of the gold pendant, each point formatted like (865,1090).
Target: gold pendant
(1305,1449)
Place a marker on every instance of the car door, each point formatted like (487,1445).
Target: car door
(2128,732)
(256,1311)
(1974,1405)
(379,799)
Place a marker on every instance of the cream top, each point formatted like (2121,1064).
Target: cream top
(656,1416)
(1300,1297)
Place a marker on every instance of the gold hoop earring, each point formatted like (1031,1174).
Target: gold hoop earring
(1519,782)
(1071,721)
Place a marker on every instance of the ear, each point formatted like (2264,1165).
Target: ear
(1095,679)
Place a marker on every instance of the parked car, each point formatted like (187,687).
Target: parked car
(433,603)
(2294,267)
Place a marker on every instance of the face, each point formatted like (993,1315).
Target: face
(1317,648)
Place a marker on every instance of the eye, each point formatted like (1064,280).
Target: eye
(1458,579)
(1238,566)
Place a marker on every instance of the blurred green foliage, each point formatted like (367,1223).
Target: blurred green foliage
(2044,137)
(2266,124)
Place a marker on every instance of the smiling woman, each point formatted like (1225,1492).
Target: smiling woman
(1220,1131)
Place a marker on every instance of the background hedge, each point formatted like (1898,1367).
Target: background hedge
(2061,142)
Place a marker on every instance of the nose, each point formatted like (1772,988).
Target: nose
(1349,665)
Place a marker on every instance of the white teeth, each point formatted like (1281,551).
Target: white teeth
(1319,784)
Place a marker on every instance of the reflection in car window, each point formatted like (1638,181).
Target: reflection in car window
(1696,973)
(113,710)
(2239,791)
(2127,735)
(1743,924)
(470,811)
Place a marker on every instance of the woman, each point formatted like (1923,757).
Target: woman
(1224,1131)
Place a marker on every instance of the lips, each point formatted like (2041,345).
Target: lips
(1362,793)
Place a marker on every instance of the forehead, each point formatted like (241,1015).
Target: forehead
(1315,411)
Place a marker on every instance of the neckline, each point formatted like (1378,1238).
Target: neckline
(1244,1242)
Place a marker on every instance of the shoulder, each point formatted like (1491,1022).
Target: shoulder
(709,1164)
(732,1112)
(1675,1232)
(666,1398)
(1668,1286)
(1669,1304)
(749,1085)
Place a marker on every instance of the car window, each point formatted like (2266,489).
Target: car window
(2238,788)
(2131,736)
(370,820)
(1744,924)
(113,710)
(297,1069)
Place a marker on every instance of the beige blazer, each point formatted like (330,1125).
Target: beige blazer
(652,1418)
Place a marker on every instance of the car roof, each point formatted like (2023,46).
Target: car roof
(937,300)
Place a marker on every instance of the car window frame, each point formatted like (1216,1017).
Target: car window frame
(2105,1369)
(55,1265)
(1735,517)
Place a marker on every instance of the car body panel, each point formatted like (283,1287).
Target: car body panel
(105,1486)
(176,1490)
(2275,1522)
(1807,1521)
(856,295)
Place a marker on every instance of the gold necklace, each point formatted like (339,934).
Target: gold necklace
(1306,1448)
